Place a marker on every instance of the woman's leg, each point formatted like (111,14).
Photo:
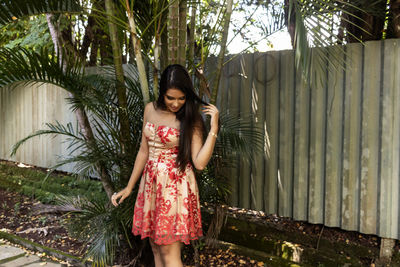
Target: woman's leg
(157,254)
(171,254)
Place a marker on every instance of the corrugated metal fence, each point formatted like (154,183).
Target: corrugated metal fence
(332,151)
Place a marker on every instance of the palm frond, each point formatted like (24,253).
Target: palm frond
(316,25)
(19,66)
(54,129)
(239,136)
(98,225)
(11,10)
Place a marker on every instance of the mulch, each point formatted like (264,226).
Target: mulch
(18,215)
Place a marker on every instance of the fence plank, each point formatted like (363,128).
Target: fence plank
(317,144)
(301,151)
(395,175)
(370,138)
(233,74)
(246,177)
(272,123)
(258,105)
(352,137)
(334,138)
(388,219)
(286,135)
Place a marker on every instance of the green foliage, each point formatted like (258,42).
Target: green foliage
(29,33)
(99,226)
(31,183)
(15,9)
(19,66)
(237,137)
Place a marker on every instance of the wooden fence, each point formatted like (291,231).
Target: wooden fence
(24,110)
(332,151)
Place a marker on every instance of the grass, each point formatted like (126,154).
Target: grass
(30,182)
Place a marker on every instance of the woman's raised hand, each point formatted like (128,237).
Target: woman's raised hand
(213,111)
(124,193)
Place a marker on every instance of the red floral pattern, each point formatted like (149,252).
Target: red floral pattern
(167,207)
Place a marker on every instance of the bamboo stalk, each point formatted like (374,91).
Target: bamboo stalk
(120,86)
(138,55)
(182,32)
(191,38)
(222,51)
(173,22)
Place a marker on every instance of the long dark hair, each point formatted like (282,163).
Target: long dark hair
(176,76)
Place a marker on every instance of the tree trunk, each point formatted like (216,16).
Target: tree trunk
(138,54)
(173,23)
(182,32)
(164,44)
(290,22)
(191,36)
(364,25)
(88,37)
(222,51)
(81,116)
(93,53)
(156,66)
(120,86)
(393,30)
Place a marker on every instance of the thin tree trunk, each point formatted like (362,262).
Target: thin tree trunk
(156,67)
(290,21)
(105,56)
(192,34)
(120,86)
(81,115)
(138,54)
(222,51)
(393,30)
(164,44)
(182,32)
(88,37)
(93,53)
(173,23)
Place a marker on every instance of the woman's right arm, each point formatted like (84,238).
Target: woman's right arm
(140,162)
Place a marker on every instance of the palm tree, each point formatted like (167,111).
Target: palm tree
(100,144)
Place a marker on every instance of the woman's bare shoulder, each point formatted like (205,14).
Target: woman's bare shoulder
(148,110)
(149,107)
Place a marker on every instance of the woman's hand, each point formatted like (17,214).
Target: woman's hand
(212,110)
(124,193)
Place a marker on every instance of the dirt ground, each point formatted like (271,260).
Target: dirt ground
(18,215)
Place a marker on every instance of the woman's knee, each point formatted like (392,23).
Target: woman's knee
(155,248)
(171,251)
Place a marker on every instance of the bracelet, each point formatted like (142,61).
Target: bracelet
(213,134)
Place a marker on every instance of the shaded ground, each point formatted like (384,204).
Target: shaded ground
(19,215)
(311,230)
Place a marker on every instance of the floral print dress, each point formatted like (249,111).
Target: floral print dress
(167,207)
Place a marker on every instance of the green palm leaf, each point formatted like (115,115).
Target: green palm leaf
(23,67)
(54,129)
(316,26)
(99,226)
(13,9)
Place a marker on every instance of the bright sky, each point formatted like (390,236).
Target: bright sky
(277,41)
(262,20)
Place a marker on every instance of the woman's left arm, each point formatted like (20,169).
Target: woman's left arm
(201,154)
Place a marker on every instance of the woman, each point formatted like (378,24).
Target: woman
(167,208)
